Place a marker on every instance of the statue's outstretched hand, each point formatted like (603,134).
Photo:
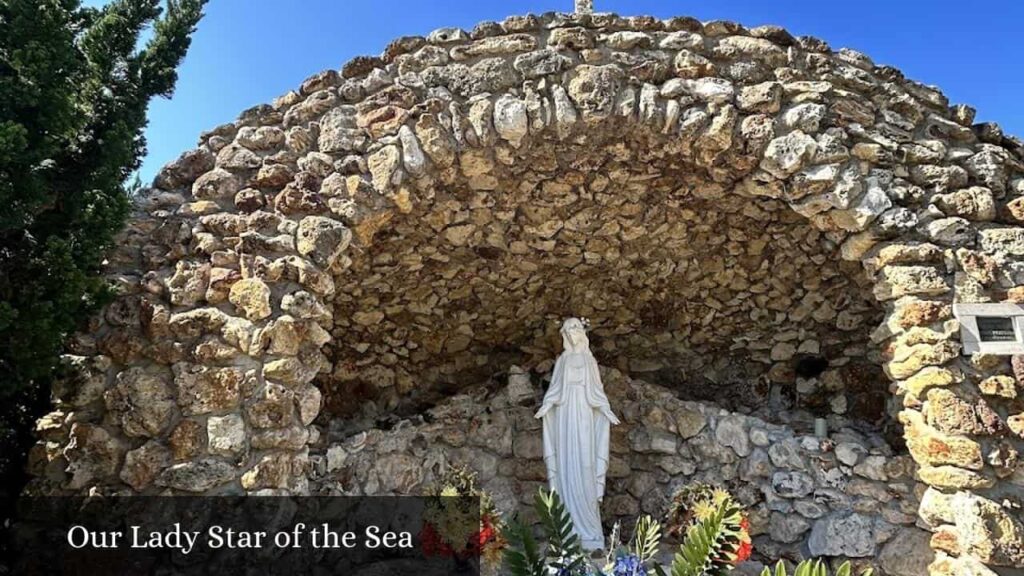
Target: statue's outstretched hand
(543,410)
(611,417)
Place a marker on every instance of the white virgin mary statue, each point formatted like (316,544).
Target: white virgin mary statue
(577,418)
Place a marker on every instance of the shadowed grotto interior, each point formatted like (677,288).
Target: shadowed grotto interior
(688,281)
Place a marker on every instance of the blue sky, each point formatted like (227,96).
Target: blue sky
(248,52)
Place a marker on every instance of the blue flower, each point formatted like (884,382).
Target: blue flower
(628,565)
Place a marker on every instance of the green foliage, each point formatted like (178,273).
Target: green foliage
(562,553)
(812,568)
(706,549)
(709,548)
(680,514)
(646,539)
(523,557)
(74,89)
(75,84)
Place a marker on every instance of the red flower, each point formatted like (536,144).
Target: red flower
(485,535)
(743,552)
(745,548)
(432,544)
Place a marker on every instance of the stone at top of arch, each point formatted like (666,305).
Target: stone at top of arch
(847,143)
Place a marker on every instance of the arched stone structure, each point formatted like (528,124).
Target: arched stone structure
(273,252)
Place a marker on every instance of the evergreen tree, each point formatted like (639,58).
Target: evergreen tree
(75,84)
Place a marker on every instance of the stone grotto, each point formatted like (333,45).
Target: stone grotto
(344,290)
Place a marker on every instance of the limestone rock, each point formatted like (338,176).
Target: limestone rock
(999,386)
(954,231)
(274,408)
(197,476)
(291,371)
(788,528)
(951,414)
(384,168)
(951,477)
(930,377)
(937,449)
(322,239)
(217,183)
(765,97)
(594,89)
(186,440)
(974,203)
(141,402)
(252,297)
(849,453)
(907,553)
(142,465)
(272,471)
(202,389)
(897,281)
(308,401)
(988,532)
(792,484)
(1009,241)
(732,432)
(226,435)
(872,467)
(336,456)
(964,566)
(541,63)
(188,285)
(851,535)
(689,423)
(787,154)
(806,117)
(520,389)
(908,360)
(510,119)
(412,153)
(93,455)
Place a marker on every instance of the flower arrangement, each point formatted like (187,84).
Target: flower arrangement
(695,503)
(715,533)
(716,538)
(461,521)
(636,558)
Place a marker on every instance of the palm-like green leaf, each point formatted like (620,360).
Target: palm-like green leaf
(647,539)
(564,549)
(813,568)
(704,550)
(522,557)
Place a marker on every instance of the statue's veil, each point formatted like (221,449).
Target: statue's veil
(595,390)
(567,345)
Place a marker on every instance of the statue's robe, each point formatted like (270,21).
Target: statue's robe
(576,430)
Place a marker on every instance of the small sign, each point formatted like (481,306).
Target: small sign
(996,329)
(991,328)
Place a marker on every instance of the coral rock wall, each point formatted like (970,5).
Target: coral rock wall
(848,495)
(419,217)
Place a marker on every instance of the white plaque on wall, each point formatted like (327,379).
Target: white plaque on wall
(991,328)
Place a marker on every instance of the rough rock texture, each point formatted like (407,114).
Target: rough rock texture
(703,192)
(798,492)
